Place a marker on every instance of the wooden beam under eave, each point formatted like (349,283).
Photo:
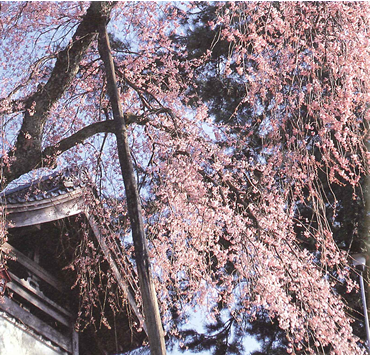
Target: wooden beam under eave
(34,268)
(36,324)
(117,274)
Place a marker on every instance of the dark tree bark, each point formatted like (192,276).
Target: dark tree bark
(27,154)
(150,304)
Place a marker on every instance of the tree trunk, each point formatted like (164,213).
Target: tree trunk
(150,304)
(27,154)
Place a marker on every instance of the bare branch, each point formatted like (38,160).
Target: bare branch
(77,138)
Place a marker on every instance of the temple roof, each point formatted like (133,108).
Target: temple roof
(61,195)
(52,185)
(52,197)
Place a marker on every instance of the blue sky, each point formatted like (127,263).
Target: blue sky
(196,321)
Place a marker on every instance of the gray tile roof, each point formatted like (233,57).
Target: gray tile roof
(53,185)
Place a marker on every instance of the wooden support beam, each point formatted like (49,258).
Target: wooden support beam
(36,324)
(39,294)
(148,293)
(75,342)
(35,268)
(117,274)
(40,305)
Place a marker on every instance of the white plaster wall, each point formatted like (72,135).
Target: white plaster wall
(16,341)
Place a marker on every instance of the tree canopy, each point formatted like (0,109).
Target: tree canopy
(240,143)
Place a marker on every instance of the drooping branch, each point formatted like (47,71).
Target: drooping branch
(150,304)
(17,105)
(27,154)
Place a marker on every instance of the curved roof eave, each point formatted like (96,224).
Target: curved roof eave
(45,210)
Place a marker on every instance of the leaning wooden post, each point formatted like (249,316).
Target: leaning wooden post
(150,304)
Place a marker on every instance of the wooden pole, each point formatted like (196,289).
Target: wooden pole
(150,304)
